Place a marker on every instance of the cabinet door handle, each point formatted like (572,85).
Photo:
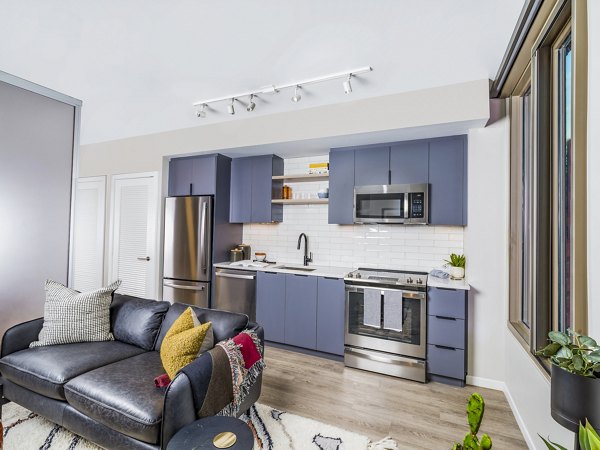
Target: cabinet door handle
(272,273)
(445,318)
(299,275)
(191,188)
(445,347)
(143,258)
(332,278)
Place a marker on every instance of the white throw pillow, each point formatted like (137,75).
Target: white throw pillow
(71,316)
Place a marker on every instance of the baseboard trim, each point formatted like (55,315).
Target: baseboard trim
(518,418)
(488,383)
(501,386)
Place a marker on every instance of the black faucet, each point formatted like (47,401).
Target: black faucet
(307,259)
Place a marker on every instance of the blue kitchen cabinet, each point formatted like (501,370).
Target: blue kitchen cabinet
(204,173)
(447,318)
(371,166)
(301,311)
(341,187)
(330,315)
(180,177)
(271,304)
(253,188)
(240,207)
(195,175)
(448,181)
(409,162)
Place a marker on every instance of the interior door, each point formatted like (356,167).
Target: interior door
(88,233)
(133,225)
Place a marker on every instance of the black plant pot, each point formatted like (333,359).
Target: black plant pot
(574,398)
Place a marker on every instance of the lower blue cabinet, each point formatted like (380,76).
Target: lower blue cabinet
(270,305)
(330,315)
(301,311)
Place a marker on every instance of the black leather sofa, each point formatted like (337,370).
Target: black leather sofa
(104,391)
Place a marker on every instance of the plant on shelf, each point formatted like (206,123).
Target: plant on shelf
(588,439)
(475,409)
(573,352)
(457,266)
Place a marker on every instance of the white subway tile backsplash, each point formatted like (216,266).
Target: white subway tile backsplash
(383,246)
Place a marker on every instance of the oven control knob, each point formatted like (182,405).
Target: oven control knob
(358,275)
(409,280)
(419,281)
(350,275)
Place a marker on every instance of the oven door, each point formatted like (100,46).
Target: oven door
(388,320)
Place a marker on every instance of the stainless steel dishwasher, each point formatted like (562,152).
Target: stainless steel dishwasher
(236,291)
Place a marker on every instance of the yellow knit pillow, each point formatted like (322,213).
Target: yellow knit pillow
(182,342)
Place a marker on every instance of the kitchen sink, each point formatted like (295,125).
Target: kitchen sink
(302,269)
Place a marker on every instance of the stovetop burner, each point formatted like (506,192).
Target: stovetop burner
(382,277)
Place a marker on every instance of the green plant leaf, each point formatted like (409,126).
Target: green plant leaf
(486,442)
(559,337)
(578,363)
(475,409)
(549,350)
(565,352)
(587,341)
(593,440)
(551,445)
(470,442)
(594,356)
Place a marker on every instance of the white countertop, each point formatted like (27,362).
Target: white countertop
(339,272)
(319,271)
(448,283)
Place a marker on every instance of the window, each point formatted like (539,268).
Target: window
(548,270)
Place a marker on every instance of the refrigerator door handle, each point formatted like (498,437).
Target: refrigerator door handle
(203,233)
(185,288)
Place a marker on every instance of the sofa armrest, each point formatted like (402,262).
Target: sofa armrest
(20,336)
(260,331)
(178,409)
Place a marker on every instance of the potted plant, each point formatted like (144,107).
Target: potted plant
(456,267)
(475,410)
(575,386)
(588,439)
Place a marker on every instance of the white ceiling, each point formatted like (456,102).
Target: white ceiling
(138,65)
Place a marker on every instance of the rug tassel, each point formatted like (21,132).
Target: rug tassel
(1,434)
(387,443)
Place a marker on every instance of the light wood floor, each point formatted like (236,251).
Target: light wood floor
(419,416)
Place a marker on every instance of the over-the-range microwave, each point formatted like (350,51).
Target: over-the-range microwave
(392,203)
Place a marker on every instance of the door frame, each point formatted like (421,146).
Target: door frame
(114,214)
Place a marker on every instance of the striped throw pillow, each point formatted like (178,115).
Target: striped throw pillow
(71,316)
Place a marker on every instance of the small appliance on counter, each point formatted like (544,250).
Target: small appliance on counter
(386,322)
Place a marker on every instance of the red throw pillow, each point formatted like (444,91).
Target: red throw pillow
(248,349)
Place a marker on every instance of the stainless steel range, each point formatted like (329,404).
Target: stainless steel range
(386,322)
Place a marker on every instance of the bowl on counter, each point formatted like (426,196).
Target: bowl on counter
(260,256)
(323,193)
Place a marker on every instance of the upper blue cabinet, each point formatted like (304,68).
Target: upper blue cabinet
(441,162)
(253,188)
(194,175)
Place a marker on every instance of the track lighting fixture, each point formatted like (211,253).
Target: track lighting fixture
(251,104)
(274,89)
(297,97)
(348,85)
(201,113)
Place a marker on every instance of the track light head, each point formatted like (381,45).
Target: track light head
(348,85)
(251,104)
(297,97)
(230,108)
(201,113)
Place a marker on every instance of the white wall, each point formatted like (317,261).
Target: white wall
(385,246)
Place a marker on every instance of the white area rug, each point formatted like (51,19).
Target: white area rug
(273,430)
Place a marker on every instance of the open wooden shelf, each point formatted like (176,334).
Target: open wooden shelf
(301,201)
(301,178)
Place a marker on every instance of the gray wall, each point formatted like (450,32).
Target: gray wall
(36,159)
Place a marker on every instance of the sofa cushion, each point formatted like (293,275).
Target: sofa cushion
(122,396)
(225,324)
(71,316)
(45,370)
(137,320)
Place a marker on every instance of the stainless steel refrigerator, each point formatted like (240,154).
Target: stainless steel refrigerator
(187,267)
